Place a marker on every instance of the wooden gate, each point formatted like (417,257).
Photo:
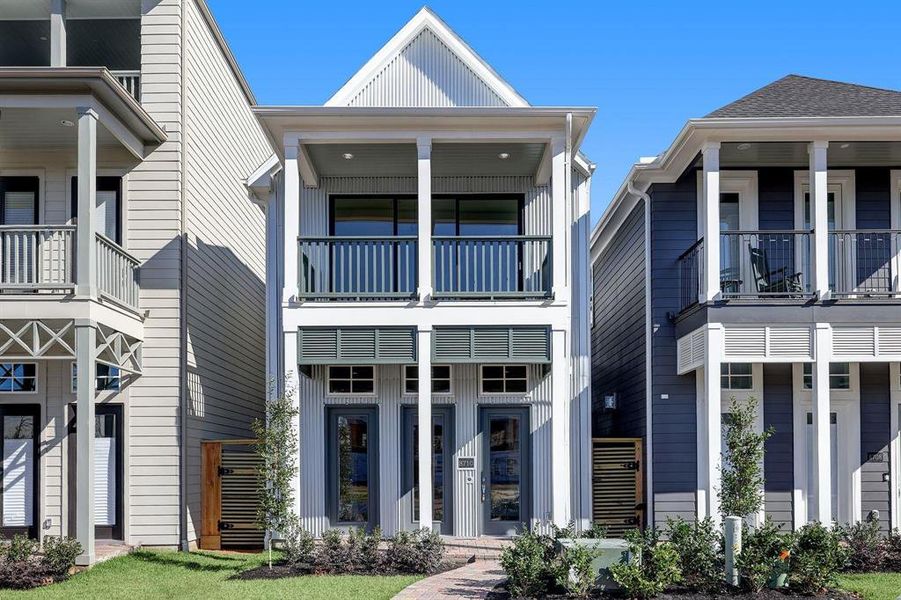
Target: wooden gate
(229,495)
(616,484)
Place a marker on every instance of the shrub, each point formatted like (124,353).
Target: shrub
(369,551)
(655,566)
(698,546)
(816,558)
(332,555)
(573,570)
(298,547)
(892,561)
(59,556)
(595,532)
(415,552)
(867,548)
(19,549)
(527,563)
(764,550)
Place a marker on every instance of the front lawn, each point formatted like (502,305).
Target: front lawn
(873,586)
(168,575)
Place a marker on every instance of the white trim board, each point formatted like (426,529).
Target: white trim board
(895,444)
(743,183)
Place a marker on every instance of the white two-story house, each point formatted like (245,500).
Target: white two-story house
(427,252)
(131,266)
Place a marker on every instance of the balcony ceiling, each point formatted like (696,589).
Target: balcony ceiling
(32,128)
(794,154)
(399,160)
(75,9)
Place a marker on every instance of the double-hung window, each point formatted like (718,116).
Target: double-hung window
(839,376)
(441,379)
(504,379)
(736,376)
(350,380)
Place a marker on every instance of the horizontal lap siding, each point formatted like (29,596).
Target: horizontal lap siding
(673,230)
(776,198)
(226,254)
(873,198)
(778,460)
(875,436)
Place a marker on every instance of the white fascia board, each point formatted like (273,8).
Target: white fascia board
(425,18)
(260,181)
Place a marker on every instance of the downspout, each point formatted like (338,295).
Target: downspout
(183,314)
(648,337)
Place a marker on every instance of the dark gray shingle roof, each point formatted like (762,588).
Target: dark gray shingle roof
(797,96)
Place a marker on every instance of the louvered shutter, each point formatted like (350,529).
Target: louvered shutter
(518,344)
(363,345)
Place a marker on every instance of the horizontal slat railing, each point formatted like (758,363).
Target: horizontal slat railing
(864,262)
(131,81)
(117,273)
(690,264)
(349,267)
(492,267)
(757,264)
(37,257)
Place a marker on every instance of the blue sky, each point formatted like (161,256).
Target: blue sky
(647,66)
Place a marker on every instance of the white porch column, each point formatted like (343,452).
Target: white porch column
(710,217)
(58,33)
(424,421)
(819,217)
(85,356)
(822,447)
(424,214)
(559,226)
(86,245)
(291,222)
(560,452)
(710,425)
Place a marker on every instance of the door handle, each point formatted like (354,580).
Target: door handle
(484,487)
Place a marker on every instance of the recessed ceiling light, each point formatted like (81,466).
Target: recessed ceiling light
(67,123)
(504,155)
(744,146)
(845,146)
(347,156)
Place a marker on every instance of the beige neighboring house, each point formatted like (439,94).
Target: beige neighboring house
(132,295)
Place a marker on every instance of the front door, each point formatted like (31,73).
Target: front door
(442,449)
(506,473)
(108,471)
(19,470)
(352,455)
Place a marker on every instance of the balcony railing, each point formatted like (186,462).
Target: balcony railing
(492,267)
(131,81)
(42,258)
(117,273)
(691,264)
(864,263)
(348,267)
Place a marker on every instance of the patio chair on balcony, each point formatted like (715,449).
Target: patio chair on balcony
(772,281)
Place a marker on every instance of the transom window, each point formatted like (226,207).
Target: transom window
(736,376)
(839,376)
(441,379)
(18,377)
(504,379)
(108,378)
(356,379)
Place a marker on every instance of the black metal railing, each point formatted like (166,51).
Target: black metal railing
(864,262)
(757,264)
(690,264)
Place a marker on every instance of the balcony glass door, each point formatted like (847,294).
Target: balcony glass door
(18,207)
(19,471)
(730,247)
(840,251)
(442,448)
(506,473)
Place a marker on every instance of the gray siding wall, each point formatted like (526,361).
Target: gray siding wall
(618,335)
(778,464)
(875,436)
(673,230)
(225,245)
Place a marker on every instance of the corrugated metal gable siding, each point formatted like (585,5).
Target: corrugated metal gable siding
(778,466)
(875,437)
(426,73)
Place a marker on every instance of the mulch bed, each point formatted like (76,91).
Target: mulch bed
(280,571)
(500,593)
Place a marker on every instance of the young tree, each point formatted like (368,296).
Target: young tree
(277,446)
(741,467)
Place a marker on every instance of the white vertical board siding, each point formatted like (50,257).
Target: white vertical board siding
(154,230)
(225,234)
(426,73)
(389,400)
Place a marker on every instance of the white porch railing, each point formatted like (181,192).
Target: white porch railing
(117,272)
(131,81)
(37,257)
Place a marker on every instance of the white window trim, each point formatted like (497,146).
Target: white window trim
(743,183)
(41,175)
(846,405)
(525,394)
(403,372)
(37,378)
(895,444)
(844,179)
(742,397)
(372,394)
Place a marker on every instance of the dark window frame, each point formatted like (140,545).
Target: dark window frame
(105,183)
(20,183)
(371,413)
(33,411)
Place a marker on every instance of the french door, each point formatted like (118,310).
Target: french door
(442,450)
(19,471)
(506,469)
(108,471)
(352,496)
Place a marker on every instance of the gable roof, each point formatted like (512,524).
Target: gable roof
(798,96)
(426,64)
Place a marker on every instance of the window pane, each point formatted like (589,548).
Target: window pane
(364,372)
(493,386)
(740,368)
(518,371)
(441,372)
(362,386)
(492,372)
(407,223)
(18,427)
(353,469)
(485,216)
(411,371)
(441,386)
(516,385)
(339,372)
(339,386)
(364,216)
(729,211)
(444,216)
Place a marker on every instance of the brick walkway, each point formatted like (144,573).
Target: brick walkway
(473,580)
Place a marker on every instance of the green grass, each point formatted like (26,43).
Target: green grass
(873,586)
(167,575)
